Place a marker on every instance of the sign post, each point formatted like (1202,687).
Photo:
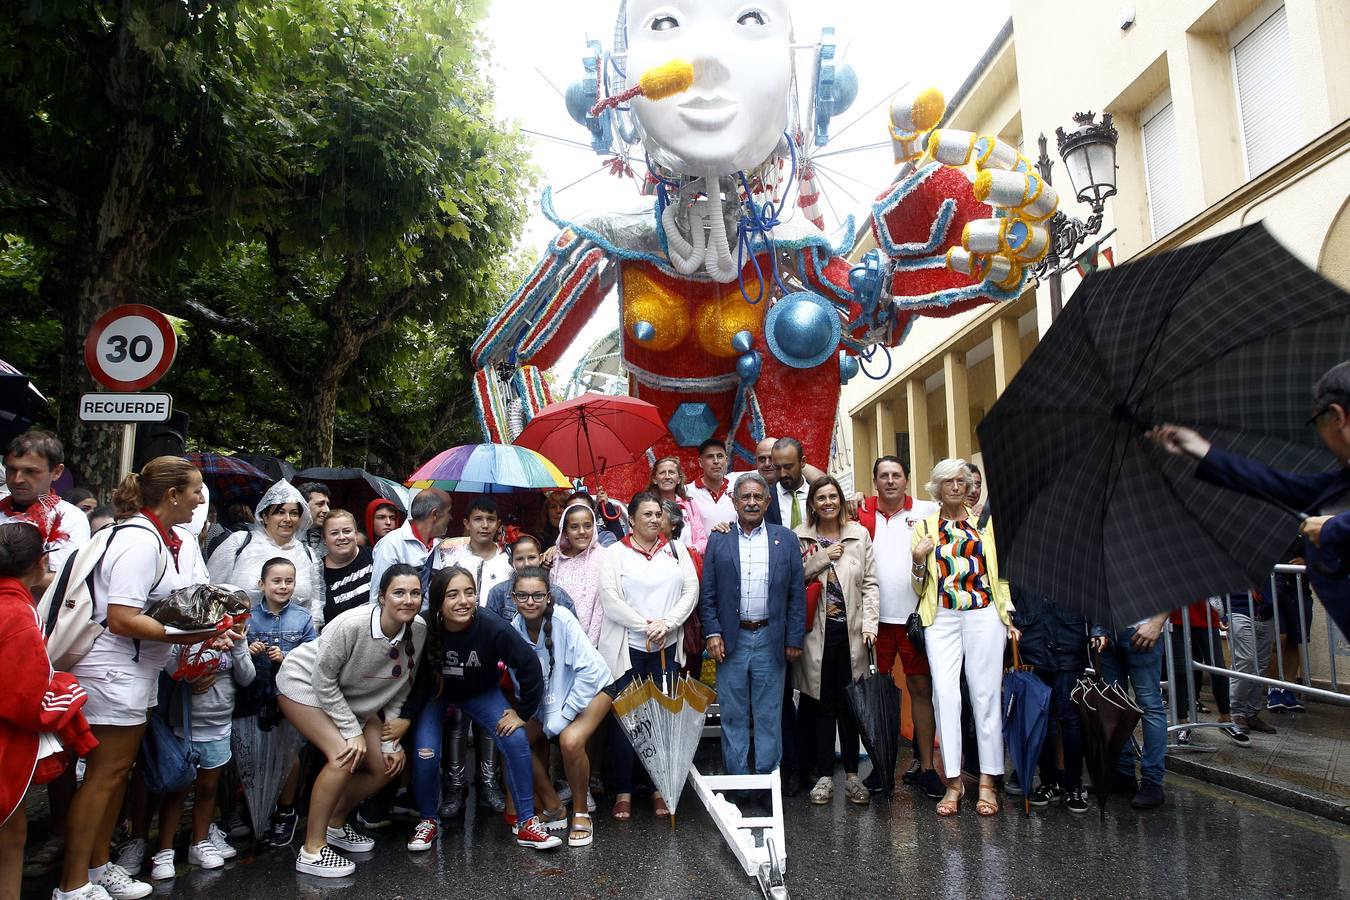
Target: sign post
(129,348)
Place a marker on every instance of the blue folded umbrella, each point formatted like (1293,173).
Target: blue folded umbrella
(1026,720)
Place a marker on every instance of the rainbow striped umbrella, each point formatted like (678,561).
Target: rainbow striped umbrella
(488,469)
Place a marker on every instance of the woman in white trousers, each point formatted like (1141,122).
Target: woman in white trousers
(967,618)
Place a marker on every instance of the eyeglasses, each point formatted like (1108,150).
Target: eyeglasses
(1317,415)
(533,598)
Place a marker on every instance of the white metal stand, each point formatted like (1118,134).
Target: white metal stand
(757,841)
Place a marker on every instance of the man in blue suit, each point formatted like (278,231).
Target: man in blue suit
(1325,497)
(753,606)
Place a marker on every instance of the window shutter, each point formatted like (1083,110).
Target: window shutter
(1267,99)
(1162,171)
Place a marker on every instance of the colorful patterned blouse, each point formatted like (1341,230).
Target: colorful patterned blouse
(963,578)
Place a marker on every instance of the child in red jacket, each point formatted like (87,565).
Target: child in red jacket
(39,710)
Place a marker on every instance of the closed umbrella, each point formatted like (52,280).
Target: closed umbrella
(353,489)
(593,432)
(1026,720)
(1108,718)
(1225,336)
(229,478)
(874,702)
(488,469)
(664,723)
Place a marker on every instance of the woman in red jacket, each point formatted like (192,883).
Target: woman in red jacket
(36,704)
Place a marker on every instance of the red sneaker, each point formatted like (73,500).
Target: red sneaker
(424,835)
(531,833)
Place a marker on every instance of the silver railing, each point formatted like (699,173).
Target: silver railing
(1221,664)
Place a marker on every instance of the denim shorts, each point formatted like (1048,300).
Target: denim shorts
(212,754)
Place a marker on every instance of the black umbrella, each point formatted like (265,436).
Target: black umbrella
(274,467)
(875,703)
(352,489)
(1226,336)
(1107,717)
(21,403)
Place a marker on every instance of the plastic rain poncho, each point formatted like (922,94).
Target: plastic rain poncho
(240,557)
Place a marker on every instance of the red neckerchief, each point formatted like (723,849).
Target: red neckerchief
(417,534)
(904,507)
(171,540)
(44,513)
(726,483)
(660,542)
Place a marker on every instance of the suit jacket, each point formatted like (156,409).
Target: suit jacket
(1325,493)
(773,515)
(720,591)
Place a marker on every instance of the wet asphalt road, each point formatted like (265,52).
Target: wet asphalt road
(1205,842)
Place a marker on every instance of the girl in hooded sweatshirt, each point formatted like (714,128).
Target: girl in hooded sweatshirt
(575,703)
(28,754)
(282,520)
(382,517)
(576,566)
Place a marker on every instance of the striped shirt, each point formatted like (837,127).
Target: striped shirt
(963,578)
(347,587)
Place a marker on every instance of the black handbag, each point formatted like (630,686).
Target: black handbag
(914,631)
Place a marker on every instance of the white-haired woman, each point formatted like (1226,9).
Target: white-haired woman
(967,618)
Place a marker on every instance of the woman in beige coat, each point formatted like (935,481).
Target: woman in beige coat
(837,553)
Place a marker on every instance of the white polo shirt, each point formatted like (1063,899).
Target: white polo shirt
(894,559)
(489,572)
(713,510)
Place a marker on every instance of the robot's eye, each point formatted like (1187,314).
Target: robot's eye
(752,17)
(664,23)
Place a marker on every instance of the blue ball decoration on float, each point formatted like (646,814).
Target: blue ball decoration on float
(748,367)
(802,330)
(848,367)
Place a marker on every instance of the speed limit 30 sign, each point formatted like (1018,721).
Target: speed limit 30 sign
(130,347)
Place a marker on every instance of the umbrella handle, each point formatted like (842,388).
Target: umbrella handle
(871,659)
(1017,658)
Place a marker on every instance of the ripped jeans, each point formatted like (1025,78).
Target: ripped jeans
(484,709)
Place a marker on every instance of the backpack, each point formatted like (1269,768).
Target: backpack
(67,608)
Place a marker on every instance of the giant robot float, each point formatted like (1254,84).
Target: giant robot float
(740,317)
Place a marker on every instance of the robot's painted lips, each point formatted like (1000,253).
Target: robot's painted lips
(708,114)
(706,103)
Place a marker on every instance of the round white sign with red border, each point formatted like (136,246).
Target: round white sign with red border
(130,347)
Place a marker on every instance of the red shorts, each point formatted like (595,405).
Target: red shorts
(892,641)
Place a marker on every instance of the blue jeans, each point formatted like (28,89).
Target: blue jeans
(1142,671)
(484,709)
(1064,722)
(750,682)
(643,664)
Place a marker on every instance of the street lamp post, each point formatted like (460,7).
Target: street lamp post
(1089,153)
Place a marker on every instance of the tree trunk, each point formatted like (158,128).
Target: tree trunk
(317,417)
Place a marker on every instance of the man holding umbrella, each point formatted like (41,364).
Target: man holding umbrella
(1325,497)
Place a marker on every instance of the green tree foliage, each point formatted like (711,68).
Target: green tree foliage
(317,187)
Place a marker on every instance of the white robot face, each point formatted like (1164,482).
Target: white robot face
(732,117)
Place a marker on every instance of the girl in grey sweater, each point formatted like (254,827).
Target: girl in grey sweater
(338,692)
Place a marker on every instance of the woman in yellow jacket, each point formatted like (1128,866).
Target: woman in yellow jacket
(967,619)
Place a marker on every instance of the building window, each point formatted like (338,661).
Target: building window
(1162,166)
(1267,99)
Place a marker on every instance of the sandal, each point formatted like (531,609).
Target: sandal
(581,834)
(947,808)
(659,808)
(554,820)
(984,806)
(623,810)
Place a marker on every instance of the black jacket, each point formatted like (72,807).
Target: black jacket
(468,666)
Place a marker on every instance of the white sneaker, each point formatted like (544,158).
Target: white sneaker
(327,863)
(131,856)
(120,885)
(161,866)
(216,838)
(204,855)
(88,892)
(348,838)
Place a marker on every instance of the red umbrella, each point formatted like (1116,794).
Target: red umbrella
(593,432)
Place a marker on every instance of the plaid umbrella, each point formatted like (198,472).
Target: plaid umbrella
(230,479)
(1226,336)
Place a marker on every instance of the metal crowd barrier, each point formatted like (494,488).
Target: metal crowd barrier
(1189,665)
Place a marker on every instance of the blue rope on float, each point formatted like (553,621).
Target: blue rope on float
(760,222)
(867,357)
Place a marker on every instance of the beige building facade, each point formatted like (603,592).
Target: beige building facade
(1229,112)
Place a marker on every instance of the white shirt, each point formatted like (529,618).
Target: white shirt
(713,511)
(784,498)
(402,545)
(652,586)
(73,523)
(891,549)
(754,550)
(489,572)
